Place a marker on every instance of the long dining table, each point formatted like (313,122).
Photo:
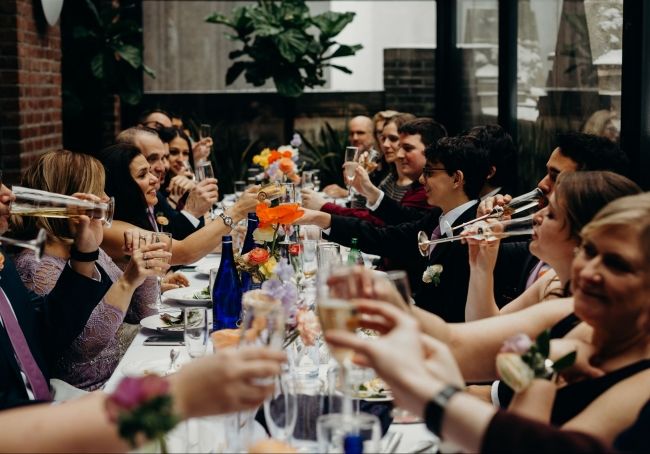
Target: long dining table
(211,432)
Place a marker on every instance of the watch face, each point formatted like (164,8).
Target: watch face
(226,219)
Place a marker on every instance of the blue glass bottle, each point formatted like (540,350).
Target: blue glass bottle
(249,244)
(227,292)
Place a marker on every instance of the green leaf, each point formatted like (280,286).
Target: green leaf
(344,51)
(131,55)
(236,54)
(288,86)
(331,23)
(543,342)
(97,66)
(218,18)
(235,71)
(148,71)
(291,44)
(341,68)
(564,362)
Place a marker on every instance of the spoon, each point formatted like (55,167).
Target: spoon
(173,356)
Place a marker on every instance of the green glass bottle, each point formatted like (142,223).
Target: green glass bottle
(354,256)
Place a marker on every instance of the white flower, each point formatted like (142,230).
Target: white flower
(432,274)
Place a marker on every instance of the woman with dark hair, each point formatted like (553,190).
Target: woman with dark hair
(577,198)
(93,356)
(179,180)
(130,181)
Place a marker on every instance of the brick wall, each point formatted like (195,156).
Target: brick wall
(409,80)
(30,85)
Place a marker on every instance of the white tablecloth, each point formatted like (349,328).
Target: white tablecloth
(139,357)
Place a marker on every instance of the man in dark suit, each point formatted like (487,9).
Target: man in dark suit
(455,171)
(200,199)
(34,331)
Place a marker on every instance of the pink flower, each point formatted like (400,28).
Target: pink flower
(308,326)
(134,391)
(519,343)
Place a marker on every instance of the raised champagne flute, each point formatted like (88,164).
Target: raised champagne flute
(37,244)
(287,197)
(205,132)
(349,167)
(271,191)
(34,202)
(482,230)
(151,238)
(528,201)
(204,170)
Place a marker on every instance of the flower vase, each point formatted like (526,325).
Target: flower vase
(304,360)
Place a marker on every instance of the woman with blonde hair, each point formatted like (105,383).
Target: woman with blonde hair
(93,356)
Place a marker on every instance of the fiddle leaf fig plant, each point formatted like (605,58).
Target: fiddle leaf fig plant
(283,42)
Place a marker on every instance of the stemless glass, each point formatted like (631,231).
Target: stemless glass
(309,263)
(196,330)
(339,433)
(33,202)
(157,237)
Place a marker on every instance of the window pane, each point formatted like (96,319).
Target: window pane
(569,75)
(478,36)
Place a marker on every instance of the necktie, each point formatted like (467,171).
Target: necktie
(23,353)
(434,236)
(152,219)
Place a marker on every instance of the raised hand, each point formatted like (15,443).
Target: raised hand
(487,204)
(89,233)
(202,197)
(311,199)
(148,260)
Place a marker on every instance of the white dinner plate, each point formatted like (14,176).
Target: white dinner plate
(154,322)
(186,296)
(148,366)
(204,268)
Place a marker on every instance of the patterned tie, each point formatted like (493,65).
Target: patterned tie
(26,361)
(434,236)
(152,219)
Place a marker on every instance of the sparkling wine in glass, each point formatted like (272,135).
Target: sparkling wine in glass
(157,237)
(34,202)
(204,170)
(349,167)
(271,191)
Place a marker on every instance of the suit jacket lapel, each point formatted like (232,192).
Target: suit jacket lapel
(441,248)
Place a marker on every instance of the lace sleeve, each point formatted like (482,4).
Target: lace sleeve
(104,321)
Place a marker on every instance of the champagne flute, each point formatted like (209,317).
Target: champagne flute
(288,196)
(349,167)
(271,191)
(37,244)
(205,132)
(34,202)
(157,237)
(281,409)
(204,170)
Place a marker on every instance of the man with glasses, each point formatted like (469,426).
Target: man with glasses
(455,171)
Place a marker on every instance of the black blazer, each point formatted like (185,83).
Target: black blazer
(393,212)
(49,323)
(179,226)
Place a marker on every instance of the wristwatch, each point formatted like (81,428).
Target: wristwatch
(435,409)
(226,219)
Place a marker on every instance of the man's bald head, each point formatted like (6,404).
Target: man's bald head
(150,145)
(360,133)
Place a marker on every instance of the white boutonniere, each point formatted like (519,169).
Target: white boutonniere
(432,274)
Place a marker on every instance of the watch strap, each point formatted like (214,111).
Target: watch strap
(226,219)
(435,409)
(78,256)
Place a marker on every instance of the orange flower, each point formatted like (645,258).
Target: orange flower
(286,165)
(225,338)
(274,156)
(282,214)
(294,249)
(258,256)
(287,154)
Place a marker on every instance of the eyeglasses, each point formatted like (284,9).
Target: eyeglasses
(428,171)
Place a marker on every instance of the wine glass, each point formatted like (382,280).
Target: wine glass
(37,244)
(288,196)
(281,409)
(146,238)
(195,330)
(204,170)
(349,167)
(34,202)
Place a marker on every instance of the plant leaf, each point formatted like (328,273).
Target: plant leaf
(341,68)
(291,44)
(288,86)
(218,18)
(331,23)
(131,55)
(235,71)
(97,66)
(344,51)
(148,71)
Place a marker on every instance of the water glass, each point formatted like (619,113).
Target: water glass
(337,431)
(263,321)
(309,262)
(196,330)
(204,170)
(328,255)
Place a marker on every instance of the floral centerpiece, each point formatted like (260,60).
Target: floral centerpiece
(280,164)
